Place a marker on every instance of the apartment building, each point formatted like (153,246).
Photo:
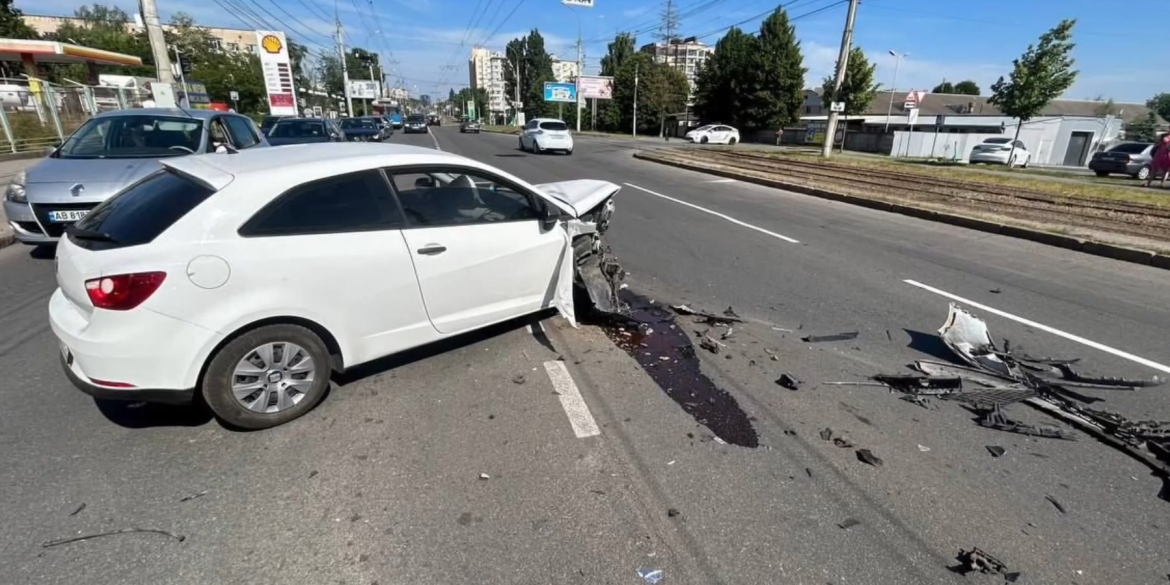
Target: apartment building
(564,70)
(685,54)
(224,39)
(486,70)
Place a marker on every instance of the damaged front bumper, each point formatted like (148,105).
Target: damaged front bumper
(588,263)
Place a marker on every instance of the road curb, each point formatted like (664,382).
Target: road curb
(1111,251)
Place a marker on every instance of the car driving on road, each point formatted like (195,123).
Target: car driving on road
(304,131)
(361,129)
(1127,158)
(997,150)
(542,135)
(250,278)
(107,153)
(713,134)
(469,126)
(415,123)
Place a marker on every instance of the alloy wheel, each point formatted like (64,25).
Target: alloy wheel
(273,377)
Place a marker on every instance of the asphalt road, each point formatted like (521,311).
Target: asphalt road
(381,483)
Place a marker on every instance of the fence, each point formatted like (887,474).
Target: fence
(37,116)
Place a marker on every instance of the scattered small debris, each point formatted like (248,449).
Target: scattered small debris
(996,419)
(921,385)
(720,441)
(846,336)
(518,379)
(826,434)
(651,576)
(484,476)
(789,433)
(730,312)
(193,496)
(842,442)
(1055,503)
(808,470)
(78,510)
(867,456)
(923,448)
(705,317)
(788,381)
(60,541)
(995,291)
(312,474)
(672,512)
(727,334)
(848,523)
(977,560)
(922,401)
(996,451)
(708,343)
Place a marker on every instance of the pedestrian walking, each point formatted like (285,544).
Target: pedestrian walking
(1161,161)
(779,135)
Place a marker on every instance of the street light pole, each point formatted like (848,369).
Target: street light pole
(897,63)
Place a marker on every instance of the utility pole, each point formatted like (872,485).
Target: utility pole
(182,79)
(158,42)
(580,70)
(897,63)
(635,132)
(344,67)
(842,63)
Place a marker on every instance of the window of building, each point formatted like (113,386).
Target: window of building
(233,47)
(215,43)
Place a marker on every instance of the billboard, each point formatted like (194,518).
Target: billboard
(278,76)
(363,89)
(595,87)
(560,92)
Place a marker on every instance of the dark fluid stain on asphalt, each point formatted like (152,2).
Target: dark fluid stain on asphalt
(669,357)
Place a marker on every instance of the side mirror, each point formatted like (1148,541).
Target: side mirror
(424,183)
(549,216)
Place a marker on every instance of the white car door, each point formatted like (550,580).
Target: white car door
(526,134)
(481,251)
(720,135)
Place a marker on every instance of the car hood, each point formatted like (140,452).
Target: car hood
(50,180)
(296,140)
(581,194)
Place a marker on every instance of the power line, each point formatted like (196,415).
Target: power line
(766,12)
(316,10)
(298,21)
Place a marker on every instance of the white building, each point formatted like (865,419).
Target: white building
(486,71)
(686,55)
(564,71)
(221,38)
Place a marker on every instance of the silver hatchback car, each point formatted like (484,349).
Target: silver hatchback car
(108,153)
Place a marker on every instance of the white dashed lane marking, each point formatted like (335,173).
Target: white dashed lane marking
(579,416)
(717,214)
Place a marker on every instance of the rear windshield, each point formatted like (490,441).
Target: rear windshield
(298,129)
(554,126)
(414,118)
(997,141)
(139,214)
(354,123)
(1130,148)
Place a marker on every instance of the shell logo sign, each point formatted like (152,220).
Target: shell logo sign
(271,43)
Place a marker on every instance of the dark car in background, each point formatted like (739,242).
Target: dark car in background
(1127,158)
(304,131)
(434,120)
(361,129)
(415,123)
(267,122)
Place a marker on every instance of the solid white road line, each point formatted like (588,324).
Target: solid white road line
(436,139)
(579,415)
(1081,340)
(723,181)
(717,214)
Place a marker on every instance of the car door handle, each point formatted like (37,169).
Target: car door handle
(432,249)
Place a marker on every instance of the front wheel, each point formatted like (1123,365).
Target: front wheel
(703,141)
(1101,173)
(731,141)
(267,376)
(1143,174)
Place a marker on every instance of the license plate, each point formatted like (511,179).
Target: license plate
(68,215)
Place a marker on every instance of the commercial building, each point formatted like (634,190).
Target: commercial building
(486,71)
(564,71)
(685,54)
(224,39)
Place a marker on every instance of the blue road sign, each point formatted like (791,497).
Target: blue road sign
(560,92)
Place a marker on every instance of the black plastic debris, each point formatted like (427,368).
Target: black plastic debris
(996,419)
(867,456)
(848,523)
(705,317)
(995,291)
(518,379)
(709,344)
(730,312)
(788,381)
(78,509)
(978,561)
(842,442)
(827,434)
(921,385)
(996,451)
(846,336)
(672,512)
(1056,504)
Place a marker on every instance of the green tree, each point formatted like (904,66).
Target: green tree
(623,46)
(966,87)
(857,89)
(781,70)
(12,25)
(661,91)
(1039,76)
(729,80)
(1144,129)
(537,70)
(1160,105)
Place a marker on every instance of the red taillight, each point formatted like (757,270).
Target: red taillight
(111,384)
(122,292)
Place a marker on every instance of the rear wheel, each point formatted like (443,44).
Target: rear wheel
(1143,174)
(267,376)
(732,141)
(1101,173)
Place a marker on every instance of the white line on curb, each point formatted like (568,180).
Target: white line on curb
(571,400)
(723,181)
(1081,340)
(717,214)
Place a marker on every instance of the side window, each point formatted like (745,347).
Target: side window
(218,134)
(352,202)
(445,197)
(241,132)
(531,125)
(1021,145)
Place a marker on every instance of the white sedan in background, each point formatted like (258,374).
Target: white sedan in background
(997,150)
(251,277)
(542,135)
(713,134)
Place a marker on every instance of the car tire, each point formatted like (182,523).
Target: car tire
(703,140)
(569,152)
(1101,173)
(731,141)
(1142,174)
(221,376)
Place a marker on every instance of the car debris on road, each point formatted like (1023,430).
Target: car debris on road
(846,336)
(976,560)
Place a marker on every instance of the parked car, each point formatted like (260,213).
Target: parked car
(997,150)
(469,126)
(168,288)
(542,135)
(713,134)
(107,153)
(415,123)
(304,131)
(361,129)
(1127,158)
(267,121)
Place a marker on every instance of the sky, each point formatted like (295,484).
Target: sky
(427,42)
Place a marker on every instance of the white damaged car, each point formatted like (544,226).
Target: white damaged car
(250,277)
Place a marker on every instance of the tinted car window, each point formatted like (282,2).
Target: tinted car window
(133,137)
(356,123)
(554,126)
(241,132)
(997,141)
(458,197)
(1130,148)
(346,203)
(139,214)
(298,129)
